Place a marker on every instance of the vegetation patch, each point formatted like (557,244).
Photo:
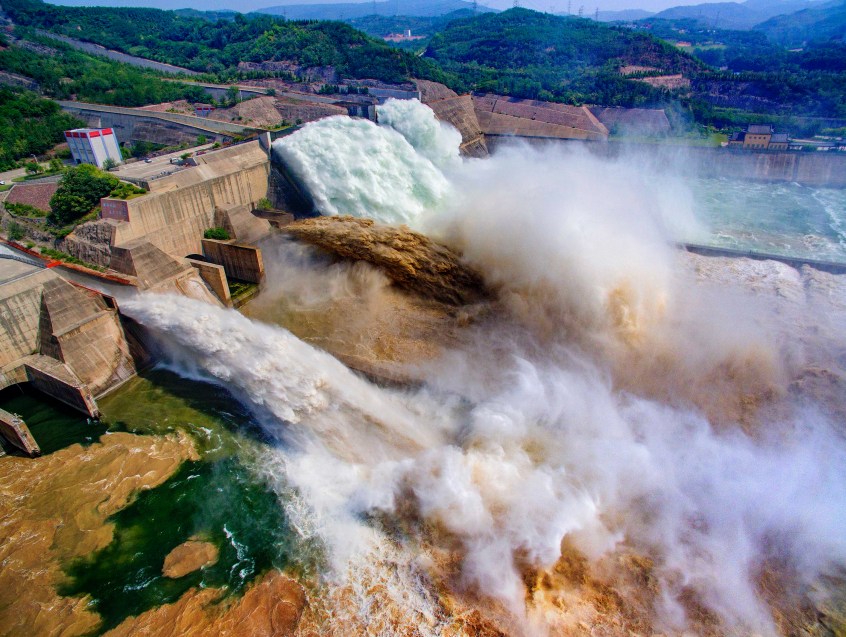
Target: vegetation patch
(61,256)
(80,190)
(26,210)
(29,124)
(219,234)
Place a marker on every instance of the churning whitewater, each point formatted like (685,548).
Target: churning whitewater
(538,437)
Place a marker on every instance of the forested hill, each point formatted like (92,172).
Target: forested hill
(827,21)
(530,54)
(214,47)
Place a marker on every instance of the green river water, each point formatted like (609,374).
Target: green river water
(222,498)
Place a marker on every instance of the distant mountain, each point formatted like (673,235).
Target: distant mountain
(824,22)
(351,10)
(734,15)
(627,15)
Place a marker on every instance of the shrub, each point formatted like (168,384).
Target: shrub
(56,164)
(64,153)
(201,139)
(216,145)
(264,204)
(25,210)
(80,189)
(33,168)
(125,191)
(216,233)
(109,164)
(16,232)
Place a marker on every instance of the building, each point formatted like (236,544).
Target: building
(778,141)
(758,136)
(736,139)
(93,146)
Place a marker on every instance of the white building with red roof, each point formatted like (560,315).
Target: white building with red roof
(93,146)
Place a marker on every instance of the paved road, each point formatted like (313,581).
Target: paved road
(143,170)
(11,174)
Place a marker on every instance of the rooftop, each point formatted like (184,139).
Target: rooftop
(760,129)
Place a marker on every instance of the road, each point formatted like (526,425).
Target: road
(11,174)
(143,170)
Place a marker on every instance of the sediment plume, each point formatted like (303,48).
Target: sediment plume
(55,508)
(411,260)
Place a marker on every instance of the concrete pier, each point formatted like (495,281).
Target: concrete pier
(16,432)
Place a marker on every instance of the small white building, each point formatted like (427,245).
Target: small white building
(93,146)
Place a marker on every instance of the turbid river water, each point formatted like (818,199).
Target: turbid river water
(777,218)
(596,401)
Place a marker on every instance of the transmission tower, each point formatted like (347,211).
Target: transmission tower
(475,7)
(374,7)
(516,4)
(569,2)
(596,15)
(581,11)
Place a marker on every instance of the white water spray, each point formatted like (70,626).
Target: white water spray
(354,167)
(550,449)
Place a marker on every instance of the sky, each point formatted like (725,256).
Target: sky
(251,5)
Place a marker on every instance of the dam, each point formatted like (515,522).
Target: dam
(499,376)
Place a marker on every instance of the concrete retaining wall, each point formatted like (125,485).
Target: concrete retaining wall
(240,262)
(55,379)
(458,112)
(215,276)
(15,431)
(182,206)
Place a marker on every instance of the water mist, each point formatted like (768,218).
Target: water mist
(497,461)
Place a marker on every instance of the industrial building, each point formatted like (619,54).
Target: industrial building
(759,137)
(93,146)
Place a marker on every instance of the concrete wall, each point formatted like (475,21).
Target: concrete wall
(15,431)
(20,308)
(174,216)
(55,379)
(458,112)
(133,124)
(240,262)
(215,276)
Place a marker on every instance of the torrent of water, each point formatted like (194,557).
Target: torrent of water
(505,457)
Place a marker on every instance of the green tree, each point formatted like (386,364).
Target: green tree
(16,231)
(33,168)
(56,164)
(201,139)
(109,164)
(232,94)
(80,189)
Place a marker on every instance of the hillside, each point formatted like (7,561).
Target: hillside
(355,10)
(735,15)
(819,23)
(217,47)
(379,26)
(529,54)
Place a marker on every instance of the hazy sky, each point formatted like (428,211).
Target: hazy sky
(251,5)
